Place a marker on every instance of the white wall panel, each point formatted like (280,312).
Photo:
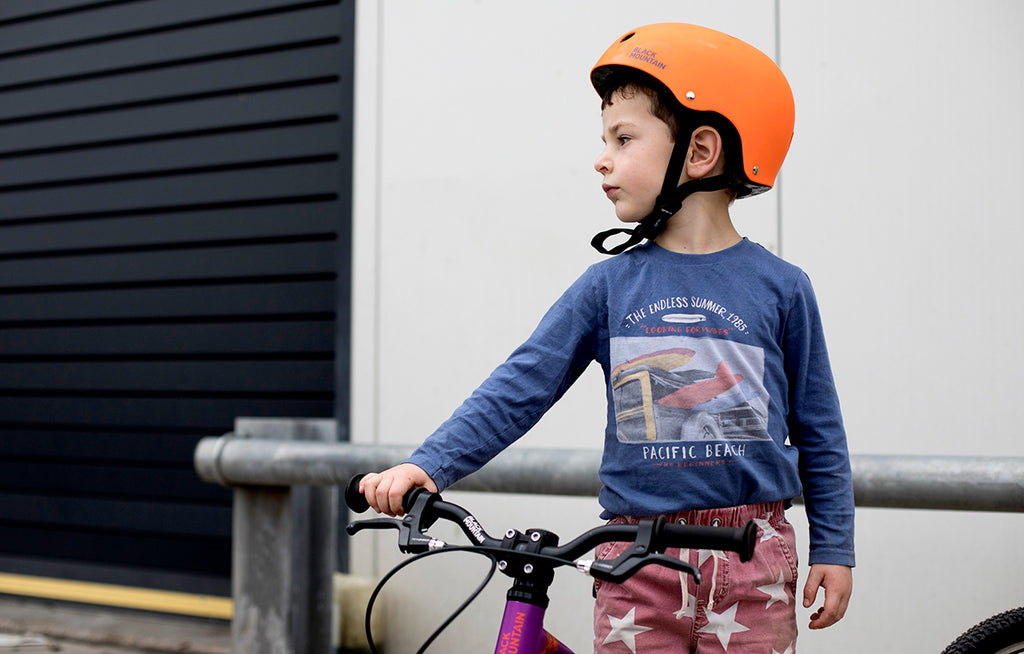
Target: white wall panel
(898,200)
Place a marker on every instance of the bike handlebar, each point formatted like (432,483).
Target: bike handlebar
(650,538)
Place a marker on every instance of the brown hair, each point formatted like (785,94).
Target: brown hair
(660,101)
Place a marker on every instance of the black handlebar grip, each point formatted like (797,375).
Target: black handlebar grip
(409,499)
(353,498)
(734,539)
(748,538)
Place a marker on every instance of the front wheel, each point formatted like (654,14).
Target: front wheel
(1000,634)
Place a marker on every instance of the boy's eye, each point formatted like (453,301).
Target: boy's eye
(623,139)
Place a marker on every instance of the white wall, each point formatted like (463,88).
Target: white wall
(476,200)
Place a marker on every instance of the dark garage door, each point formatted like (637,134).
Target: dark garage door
(174,252)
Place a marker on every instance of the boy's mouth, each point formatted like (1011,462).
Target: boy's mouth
(609,190)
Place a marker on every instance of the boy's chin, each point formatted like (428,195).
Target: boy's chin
(631,215)
(629,219)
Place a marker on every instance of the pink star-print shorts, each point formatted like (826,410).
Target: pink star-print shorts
(738,608)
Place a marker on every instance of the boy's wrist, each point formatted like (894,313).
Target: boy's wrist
(832,557)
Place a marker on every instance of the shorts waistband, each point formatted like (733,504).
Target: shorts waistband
(732,516)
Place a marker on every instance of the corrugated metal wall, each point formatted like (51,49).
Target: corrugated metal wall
(174,248)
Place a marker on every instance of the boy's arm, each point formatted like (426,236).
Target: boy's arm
(816,429)
(518,392)
(837,580)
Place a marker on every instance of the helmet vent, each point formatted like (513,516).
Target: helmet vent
(627,37)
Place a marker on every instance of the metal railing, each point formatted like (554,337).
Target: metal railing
(285,475)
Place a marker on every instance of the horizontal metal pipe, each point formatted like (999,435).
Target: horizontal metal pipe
(908,482)
(939,482)
(240,461)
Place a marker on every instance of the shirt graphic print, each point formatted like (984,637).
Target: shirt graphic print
(686,388)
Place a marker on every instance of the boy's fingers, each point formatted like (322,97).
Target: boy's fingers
(811,587)
(829,614)
(368,487)
(384,495)
(833,610)
(375,487)
(396,492)
(385,491)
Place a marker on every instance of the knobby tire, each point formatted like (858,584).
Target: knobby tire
(1000,634)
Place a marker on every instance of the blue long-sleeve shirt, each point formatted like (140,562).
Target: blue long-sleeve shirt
(718,381)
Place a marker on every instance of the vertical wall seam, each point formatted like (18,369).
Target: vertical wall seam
(778,182)
(378,269)
(378,195)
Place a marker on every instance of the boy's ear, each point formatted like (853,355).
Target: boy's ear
(705,156)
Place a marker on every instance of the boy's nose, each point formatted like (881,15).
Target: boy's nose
(603,164)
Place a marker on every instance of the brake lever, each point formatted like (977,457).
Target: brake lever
(625,566)
(376,523)
(642,552)
(674,563)
(412,538)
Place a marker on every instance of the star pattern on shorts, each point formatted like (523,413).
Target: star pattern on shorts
(625,630)
(724,625)
(689,607)
(776,592)
(788,650)
(704,555)
(767,530)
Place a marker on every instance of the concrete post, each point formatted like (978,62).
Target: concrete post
(283,553)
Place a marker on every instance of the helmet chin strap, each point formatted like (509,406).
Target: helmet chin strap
(665,207)
(669,201)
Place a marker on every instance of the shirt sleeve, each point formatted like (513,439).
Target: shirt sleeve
(816,430)
(519,391)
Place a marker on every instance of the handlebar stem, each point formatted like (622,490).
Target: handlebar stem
(532,575)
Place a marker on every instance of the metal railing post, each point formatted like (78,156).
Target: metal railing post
(283,552)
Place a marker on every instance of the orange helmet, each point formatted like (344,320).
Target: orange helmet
(706,70)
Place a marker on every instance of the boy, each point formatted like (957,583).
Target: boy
(721,404)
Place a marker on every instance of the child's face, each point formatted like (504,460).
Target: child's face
(637,149)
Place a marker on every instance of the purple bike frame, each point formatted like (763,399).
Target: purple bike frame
(522,632)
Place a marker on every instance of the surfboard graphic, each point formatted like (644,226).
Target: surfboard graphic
(684,318)
(701,392)
(664,360)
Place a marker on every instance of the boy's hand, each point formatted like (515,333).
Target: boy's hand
(384,491)
(837,580)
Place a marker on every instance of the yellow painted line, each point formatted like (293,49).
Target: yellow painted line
(87,592)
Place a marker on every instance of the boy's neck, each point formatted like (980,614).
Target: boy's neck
(702,226)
